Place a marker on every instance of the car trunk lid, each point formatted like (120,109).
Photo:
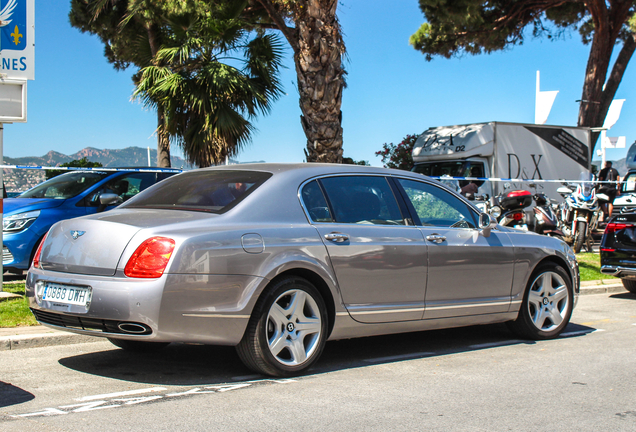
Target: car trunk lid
(86,246)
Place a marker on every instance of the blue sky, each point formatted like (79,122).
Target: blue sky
(78,100)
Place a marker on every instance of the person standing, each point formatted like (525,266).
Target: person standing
(610,189)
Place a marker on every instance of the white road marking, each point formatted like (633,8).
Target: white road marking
(46,412)
(90,403)
(398,357)
(124,393)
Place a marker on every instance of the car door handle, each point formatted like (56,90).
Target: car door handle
(337,237)
(436,238)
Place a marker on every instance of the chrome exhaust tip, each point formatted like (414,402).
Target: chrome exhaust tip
(134,328)
(609,270)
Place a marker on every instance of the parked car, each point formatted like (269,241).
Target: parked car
(626,201)
(277,259)
(618,249)
(29,216)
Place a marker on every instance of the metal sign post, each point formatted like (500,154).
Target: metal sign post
(17,65)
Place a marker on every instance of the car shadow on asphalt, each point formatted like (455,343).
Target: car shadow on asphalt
(12,395)
(194,365)
(624,295)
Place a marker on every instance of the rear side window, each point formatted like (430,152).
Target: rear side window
(315,203)
(208,191)
(362,200)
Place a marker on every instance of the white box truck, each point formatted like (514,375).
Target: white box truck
(505,150)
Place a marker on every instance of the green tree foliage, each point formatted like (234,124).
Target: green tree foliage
(350,161)
(190,67)
(132,32)
(207,91)
(454,28)
(77,163)
(398,156)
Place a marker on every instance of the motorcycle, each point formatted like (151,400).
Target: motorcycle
(579,212)
(508,208)
(546,216)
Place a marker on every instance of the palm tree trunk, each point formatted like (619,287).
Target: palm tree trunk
(320,79)
(318,50)
(163,139)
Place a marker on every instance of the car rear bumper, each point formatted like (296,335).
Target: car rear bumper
(207,309)
(618,271)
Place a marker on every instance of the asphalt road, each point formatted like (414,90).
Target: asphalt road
(472,379)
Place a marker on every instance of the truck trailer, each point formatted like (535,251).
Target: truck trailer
(505,151)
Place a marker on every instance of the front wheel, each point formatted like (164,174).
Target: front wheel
(579,236)
(547,304)
(287,330)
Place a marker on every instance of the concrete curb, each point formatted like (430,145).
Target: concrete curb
(38,340)
(42,336)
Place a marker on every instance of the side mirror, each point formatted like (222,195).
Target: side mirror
(486,223)
(107,199)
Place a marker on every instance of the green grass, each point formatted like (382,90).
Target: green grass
(15,312)
(589,267)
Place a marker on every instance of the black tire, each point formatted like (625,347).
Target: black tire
(138,346)
(545,310)
(579,236)
(274,343)
(630,285)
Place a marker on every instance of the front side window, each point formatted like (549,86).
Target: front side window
(362,200)
(207,190)
(66,185)
(435,206)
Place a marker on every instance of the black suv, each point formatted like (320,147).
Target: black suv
(618,249)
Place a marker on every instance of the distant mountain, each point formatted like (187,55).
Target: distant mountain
(18,180)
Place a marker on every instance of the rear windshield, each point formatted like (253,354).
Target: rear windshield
(208,191)
(66,185)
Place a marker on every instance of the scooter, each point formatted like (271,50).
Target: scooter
(546,216)
(579,212)
(508,208)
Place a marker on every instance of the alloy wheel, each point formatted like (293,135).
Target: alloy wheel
(294,326)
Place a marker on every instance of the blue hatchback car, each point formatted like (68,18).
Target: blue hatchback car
(28,217)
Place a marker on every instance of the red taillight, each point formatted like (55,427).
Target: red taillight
(36,257)
(517,216)
(613,227)
(607,250)
(150,259)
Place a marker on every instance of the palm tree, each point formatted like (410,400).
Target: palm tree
(132,32)
(206,91)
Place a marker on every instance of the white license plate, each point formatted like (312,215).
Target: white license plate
(66,294)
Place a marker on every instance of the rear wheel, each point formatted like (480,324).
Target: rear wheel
(630,285)
(287,331)
(547,304)
(579,237)
(138,346)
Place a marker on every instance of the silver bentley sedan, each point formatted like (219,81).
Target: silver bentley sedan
(277,259)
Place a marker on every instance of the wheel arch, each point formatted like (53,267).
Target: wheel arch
(561,262)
